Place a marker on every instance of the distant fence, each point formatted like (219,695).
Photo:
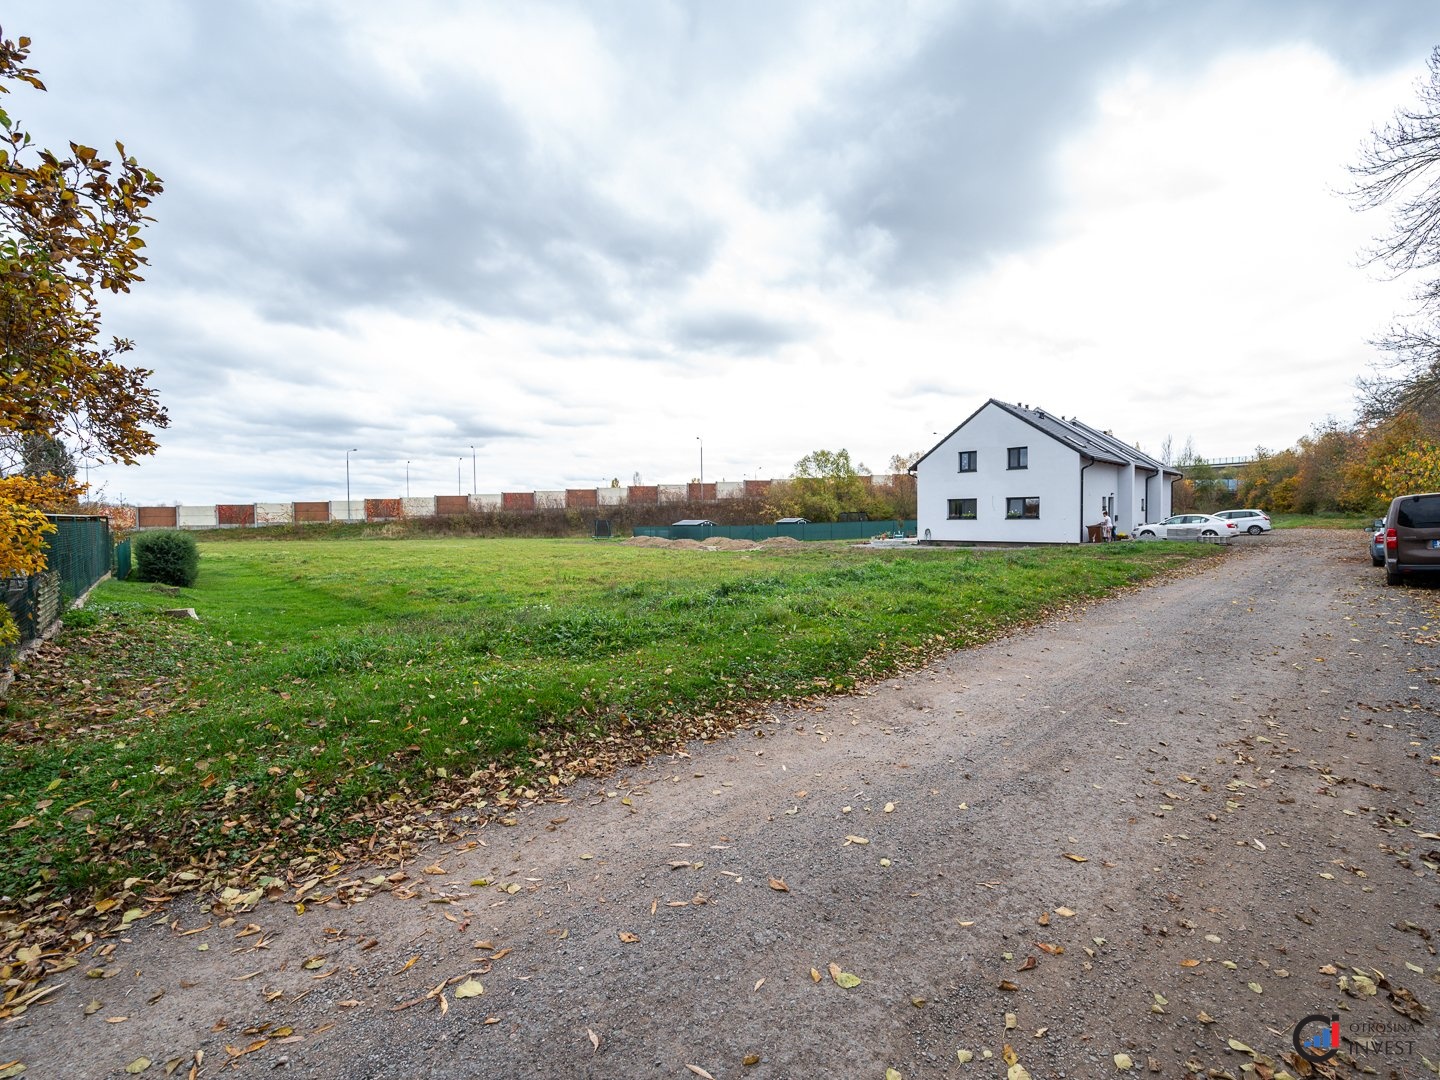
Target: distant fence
(826,530)
(77,555)
(592,500)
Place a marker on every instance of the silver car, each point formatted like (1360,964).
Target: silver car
(1203,524)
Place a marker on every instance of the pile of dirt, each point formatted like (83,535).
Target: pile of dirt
(714,543)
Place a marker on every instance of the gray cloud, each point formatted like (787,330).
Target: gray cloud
(737,332)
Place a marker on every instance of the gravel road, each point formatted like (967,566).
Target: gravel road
(1174,820)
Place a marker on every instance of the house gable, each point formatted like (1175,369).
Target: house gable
(974,487)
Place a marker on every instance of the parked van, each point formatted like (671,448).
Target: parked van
(1412,537)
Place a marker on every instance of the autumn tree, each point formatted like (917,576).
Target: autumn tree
(1399,168)
(70,229)
(825,484)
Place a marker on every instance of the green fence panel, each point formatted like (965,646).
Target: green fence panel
(79,550)
(823,530)
(122,560)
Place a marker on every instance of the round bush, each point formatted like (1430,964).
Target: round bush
(171,558)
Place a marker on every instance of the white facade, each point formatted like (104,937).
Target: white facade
(1033,478)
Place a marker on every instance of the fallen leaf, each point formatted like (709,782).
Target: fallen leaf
(1189,963)
(470,988)
(856,840)
(1053,950)
(627,938)
(778,884)
(1123,1062)
(964,1056)
(814,975)
(1076,858)
(1256,988)
(843,978)
(139,1065)
(750,1059)
(758,983)
(594,1039)
(1028,965)
(1204,1017)
(1011,1021)
(1236,1044)
(698,1071)
(1006,984)
(1065,912)
(893,1074)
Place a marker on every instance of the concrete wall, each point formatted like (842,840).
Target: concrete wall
(195,517)
(275,513)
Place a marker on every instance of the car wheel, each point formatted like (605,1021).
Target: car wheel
(1392,577)
(1376,562)
(1145,532)
(1254,530)
(1209,532)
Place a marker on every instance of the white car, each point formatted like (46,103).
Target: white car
(1204,524)
(1253,522)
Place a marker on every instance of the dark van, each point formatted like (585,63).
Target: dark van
(1412,537)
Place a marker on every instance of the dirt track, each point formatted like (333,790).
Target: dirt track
(1245,759)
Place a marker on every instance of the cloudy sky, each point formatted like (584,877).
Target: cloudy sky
(584,237)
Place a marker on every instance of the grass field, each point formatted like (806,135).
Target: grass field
(329,689)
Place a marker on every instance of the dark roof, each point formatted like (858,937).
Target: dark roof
(1077,435)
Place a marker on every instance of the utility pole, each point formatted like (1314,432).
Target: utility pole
(473,488)
(352,450)
(407,479)
(702,466)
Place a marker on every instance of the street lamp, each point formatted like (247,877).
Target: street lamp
(702,465)
(407,479)
(352,450)
(459,484)
(472,469)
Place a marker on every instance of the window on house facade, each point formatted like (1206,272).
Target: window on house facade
(967,460)
(1018,457)
(962,509)
(1024,507)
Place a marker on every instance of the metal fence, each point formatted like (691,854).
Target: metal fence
(79,550)
(823,530)
(78,554)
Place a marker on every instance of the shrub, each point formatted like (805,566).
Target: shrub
(171,558)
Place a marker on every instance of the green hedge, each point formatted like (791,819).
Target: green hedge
(171,558)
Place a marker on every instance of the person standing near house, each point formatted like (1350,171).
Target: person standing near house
(1107,527)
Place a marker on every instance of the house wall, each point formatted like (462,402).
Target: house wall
(1103,482)
(1052,475)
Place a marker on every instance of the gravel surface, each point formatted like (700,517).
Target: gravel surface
(1241,763)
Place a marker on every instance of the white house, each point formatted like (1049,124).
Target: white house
(1017,475)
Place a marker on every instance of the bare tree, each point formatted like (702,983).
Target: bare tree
(1399,168)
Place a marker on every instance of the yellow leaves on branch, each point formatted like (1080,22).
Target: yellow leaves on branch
(23,503)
